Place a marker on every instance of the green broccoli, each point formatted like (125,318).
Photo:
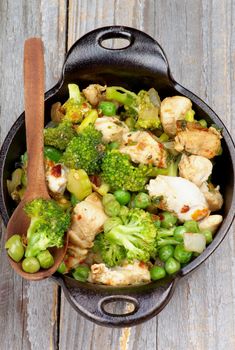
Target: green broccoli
(75,107)
(47,227)
(134,240)
(85,151)
(144,106)
(60,136)
(119,173)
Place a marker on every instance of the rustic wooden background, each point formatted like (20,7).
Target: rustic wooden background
(199,39)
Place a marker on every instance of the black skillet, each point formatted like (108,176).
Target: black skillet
(142,64)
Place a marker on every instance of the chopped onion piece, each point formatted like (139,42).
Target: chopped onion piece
(194,242)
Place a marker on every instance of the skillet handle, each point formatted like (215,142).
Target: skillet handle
(91,303)
(88,54)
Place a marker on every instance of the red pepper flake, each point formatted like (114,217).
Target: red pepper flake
(56,170)
(79,217)
(96,180)
(142,264)
(161,217)
(185,209)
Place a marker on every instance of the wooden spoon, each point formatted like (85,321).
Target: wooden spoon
(36,184)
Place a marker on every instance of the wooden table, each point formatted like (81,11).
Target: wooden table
(199,40)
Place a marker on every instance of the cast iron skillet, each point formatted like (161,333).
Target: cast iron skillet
(142,64)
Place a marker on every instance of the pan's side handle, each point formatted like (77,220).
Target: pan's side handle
(142,50)
(93,304)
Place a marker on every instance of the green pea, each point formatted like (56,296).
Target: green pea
(113,145)
(112,208)
(73,199)
(15,248)
(45,259)
(81,273)
(182,255)
(172,266)
(157,273)
(62,268)
(108,108)
(122,196)
(107,198)
(179,233)
(191,226)
(141,200)
(168,220)
(31,265)
(208,236)
(166,252)
(203,123)
(52,154)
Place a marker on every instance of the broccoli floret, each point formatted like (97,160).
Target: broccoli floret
(144,106)
(75,107)
(47,227)
(134,240)
(119,173)
(85,151)
(60,136)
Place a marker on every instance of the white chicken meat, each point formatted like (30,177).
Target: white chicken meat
(210,223)
(173,109)
(87,221)
(135,273)
(180,196)
(56,178)
(213,196)
(94,93)
(111,128)
(196,169)
(144,149)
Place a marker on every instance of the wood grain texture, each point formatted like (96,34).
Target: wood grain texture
(28,311)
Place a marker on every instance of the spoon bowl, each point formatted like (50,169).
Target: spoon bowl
(36,184)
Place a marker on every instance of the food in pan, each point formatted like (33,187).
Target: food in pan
(131,181)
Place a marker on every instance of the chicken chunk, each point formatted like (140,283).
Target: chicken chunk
(87,221)
(135,273)
(173,109)
(210,223)
(111,128)
(93,93)
(144,149)
(196,169)
(205,143)
(179,196)
(213,196)
(56,178)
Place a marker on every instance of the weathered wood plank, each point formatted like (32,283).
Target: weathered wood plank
(28,311)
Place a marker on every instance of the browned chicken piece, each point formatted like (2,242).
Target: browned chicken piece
(129,274)
(213,196)
(94,93)
(205,143)
(142,147)
(87,221)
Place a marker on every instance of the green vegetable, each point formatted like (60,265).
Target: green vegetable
(60,136)
(172,266)
(75,107)
(191,226)
(164,137)
(208,236)
(62,268)
(165,237)
(179,233)
(182,255)
(113,145)
(15,248)
(123,213)
(142,200)
(31,265)
(112,208)
(81,273)
(85,151)
(172,168)
(45,259)
(203,123)
(52,154)
(166,252)
(189,116)
(122,196)
(111,223)
(90,119)
(157,273)
(168,219)
(112,254)
(12,185)
(107,198)
(134,240)
(73,199)
(107,108)
(48,224)
(121,95)
(79,184)
(119,173)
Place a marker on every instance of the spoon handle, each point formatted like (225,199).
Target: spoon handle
(34,116)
